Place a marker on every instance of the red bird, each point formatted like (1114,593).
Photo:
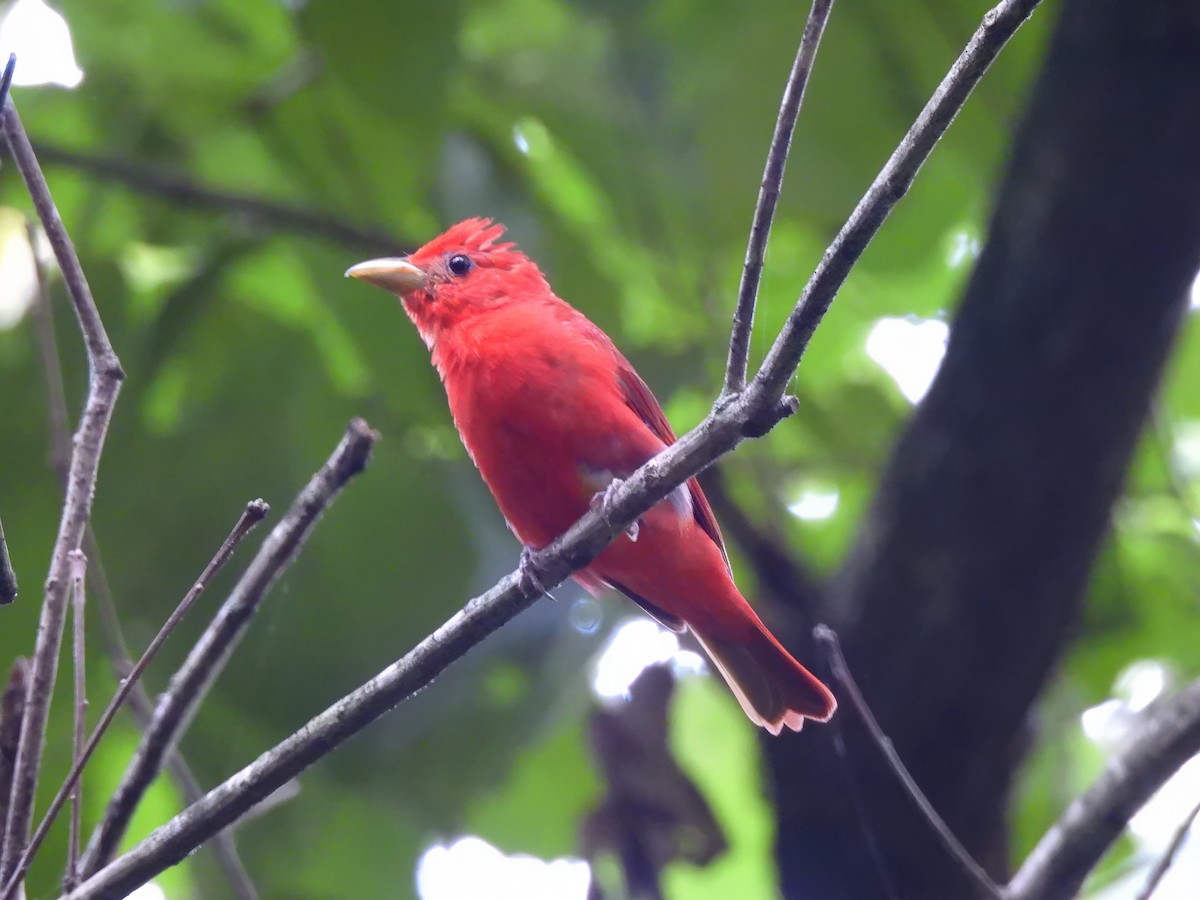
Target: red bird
(552,414)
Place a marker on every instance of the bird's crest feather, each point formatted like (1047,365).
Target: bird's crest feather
(477,235)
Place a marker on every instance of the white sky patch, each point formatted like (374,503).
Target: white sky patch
(42,41)
(1187,448)
(1101,723)
(471,867)
(964,247)
(1109,725)
(520,141)
(1138,685)
(910,351)
(1152,829)
(1156,822)
(1195,304)
(149,267)
(148,891)
(814,505)
(18,276)
(1141,684)
(636,644)
(688,662)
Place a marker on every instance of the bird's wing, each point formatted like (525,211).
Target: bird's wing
(640,399)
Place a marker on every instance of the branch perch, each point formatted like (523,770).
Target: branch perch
(104,385)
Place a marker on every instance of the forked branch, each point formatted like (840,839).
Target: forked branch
(104,384)
(768,196)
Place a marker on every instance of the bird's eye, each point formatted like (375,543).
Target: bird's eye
(460,264)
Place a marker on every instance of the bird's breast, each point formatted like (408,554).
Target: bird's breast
(528,418)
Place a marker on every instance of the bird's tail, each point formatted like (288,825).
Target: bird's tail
(771,686)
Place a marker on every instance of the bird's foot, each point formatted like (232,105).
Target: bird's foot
(602,500)
(528,576)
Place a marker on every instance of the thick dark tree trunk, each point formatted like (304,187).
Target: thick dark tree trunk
(961,592)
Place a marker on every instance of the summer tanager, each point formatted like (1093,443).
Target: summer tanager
(552,414)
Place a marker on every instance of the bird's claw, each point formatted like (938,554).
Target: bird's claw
(602,500)
(528,576)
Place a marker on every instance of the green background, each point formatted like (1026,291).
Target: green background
(622,143)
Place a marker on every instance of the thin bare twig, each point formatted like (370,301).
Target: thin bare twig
(12,711)
(827,639)
(752,412)
(78,604)
(1168,858)
(768,196)
(889,186)
(58,417)
(254,513)
(190,684)
(224,847)
(854,792)
(1168,736)
(104,385)
(181,191)
(6,78)
(8,578)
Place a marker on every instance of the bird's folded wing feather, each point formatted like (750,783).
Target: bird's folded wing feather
(643,402)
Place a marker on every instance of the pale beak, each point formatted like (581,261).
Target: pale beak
(394,274)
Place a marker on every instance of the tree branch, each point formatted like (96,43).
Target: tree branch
(750,413)
(768,195)
(104,385)
(190,684)
(1169,737)
(177,189)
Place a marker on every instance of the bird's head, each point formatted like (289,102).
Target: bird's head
(460,274)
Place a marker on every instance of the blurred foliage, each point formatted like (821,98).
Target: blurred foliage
(622,143)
